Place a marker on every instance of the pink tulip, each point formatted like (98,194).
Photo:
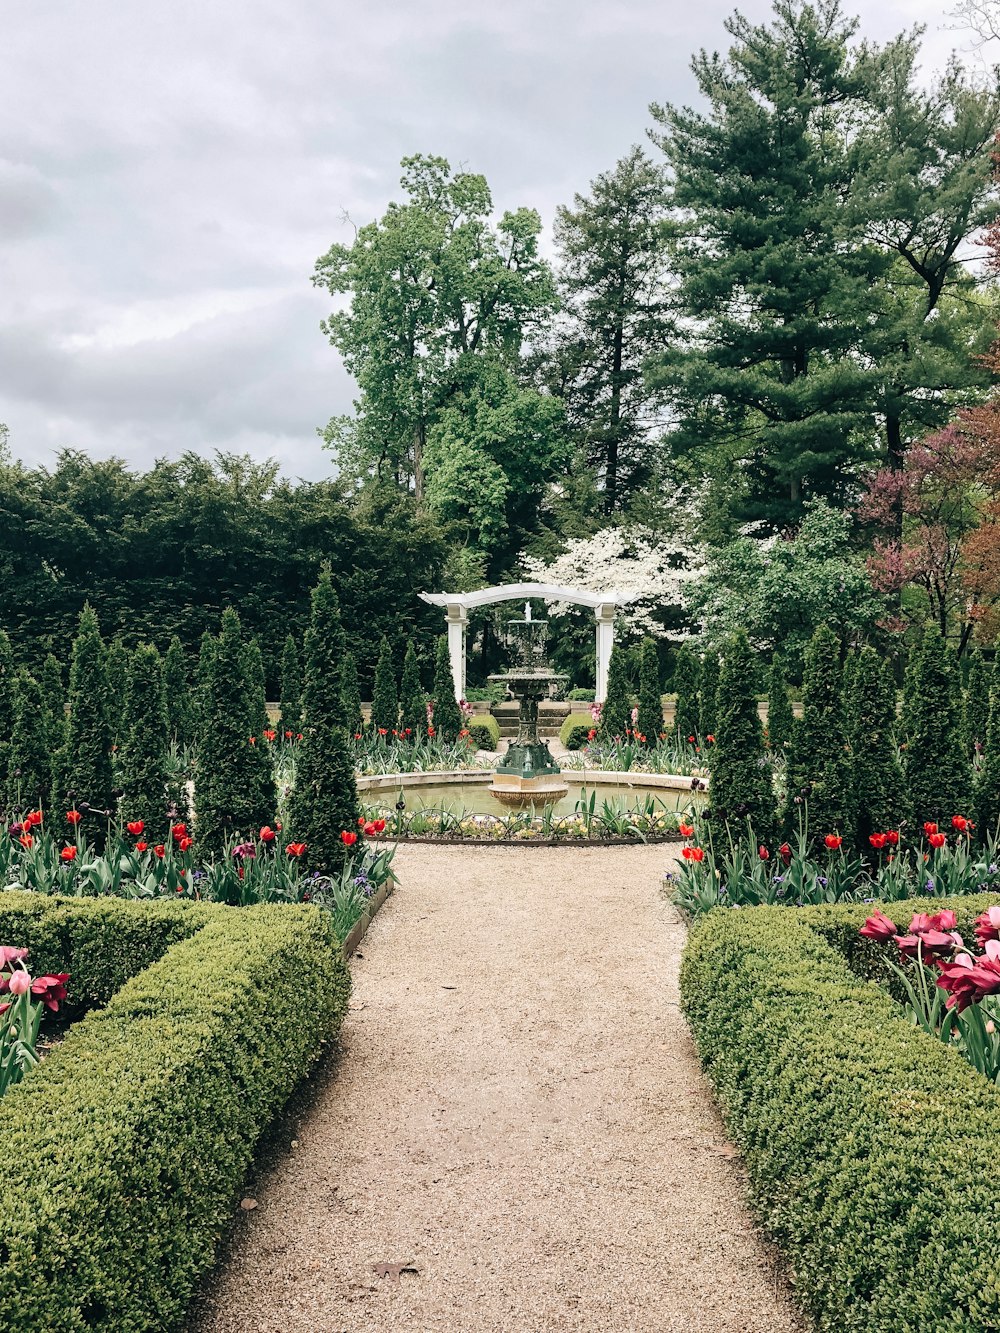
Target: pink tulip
(879,927)
(9,955)
(20,982)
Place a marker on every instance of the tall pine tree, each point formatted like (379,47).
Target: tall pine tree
(976,711)
(741,788)
(385,704)
(30,760)
(412,699)
(879,785)
(145,736)
(708,695)
(8,673)
(447,714)
(780,717)
(177,694)
(819,762)
(616,711)
(650,723)
(86,775)
(685,688)
(350,697)
(291,687)
(937,769)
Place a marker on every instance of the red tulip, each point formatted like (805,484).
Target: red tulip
(296,849)
(369,830)
(592,733)
(987,926)
(50,989)
(141,846)
(382,731)
(299,736)
(921,922)
(288,735)
(936,839)
(267,834)
(685,830)
(33,819)
(68,854)
(26,840)
(184,843)
(833,841)
(379,825)
(969,982)
(361,821)
(878,927)
(178,831)
(74,816)
(160,850)
(690,740)
(710,738)
(136,827)
(892,838)
(693,853)
(960,823)
(348,838)
(930,828)
(785,852)
(878,840)
(763,853)
(253,740)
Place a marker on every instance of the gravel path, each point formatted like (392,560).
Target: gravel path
(518,1112)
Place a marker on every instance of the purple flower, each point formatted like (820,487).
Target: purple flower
(244,850)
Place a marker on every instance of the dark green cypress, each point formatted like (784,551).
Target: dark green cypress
(708,695)
(177,694)
(116,675)
(262,797)
(142,754)
(879,785)
(54,703)
(987,790)
(291,687)
(938,772)
(685,687)
(350,696)
(412,699)
(616,711)
(30,772)
(780,717)
(741,785)
(447,714)
(7,677)
(87,773)
(324,802)
(650,722)
(819,760)
(385,702)
(976,712)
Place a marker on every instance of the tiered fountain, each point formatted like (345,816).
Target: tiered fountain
(527,774)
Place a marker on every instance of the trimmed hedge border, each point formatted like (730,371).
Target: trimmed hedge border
(869,1145)
(124,1150)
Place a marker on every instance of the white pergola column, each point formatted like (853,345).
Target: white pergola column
(458,619)
(605,617)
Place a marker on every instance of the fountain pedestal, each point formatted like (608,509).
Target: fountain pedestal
(527,774)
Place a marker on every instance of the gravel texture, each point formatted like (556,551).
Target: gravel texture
(518,1114)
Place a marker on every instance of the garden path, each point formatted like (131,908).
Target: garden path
(518,1111)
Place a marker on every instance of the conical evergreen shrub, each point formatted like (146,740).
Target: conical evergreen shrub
(350,697)
(937,767)
(447,714)
(412,699)
(262,796)
(819,761)
(325,801)
(987,790)
(30,772)
(650,723)
(976,712)
(879,786)
(616,713)
(116,676)
(780,717)
(177,694)
(200,694)
(708,692)
(87,772)
(741,784)
(385,703)
(142,754)
(685,687)
(8,674)
(291,688)
(54,703)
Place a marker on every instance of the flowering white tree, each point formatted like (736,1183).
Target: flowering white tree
(649,573)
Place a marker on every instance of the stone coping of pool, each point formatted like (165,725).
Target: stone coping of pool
(457,776)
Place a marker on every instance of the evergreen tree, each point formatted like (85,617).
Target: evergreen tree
(7,678)
(291,687)
(819,761)
(976,713)
(54,703)
(447,714)
(177,692)
(412,699)
(879,784)
(780,717)
(685,683)
(262,795)
(650,723)
(708,695)
(142,755)
(87,776)
(987,790)
(324,802)
(30,770)
(350,697)
(741,786)
(200,696)
(385,704)
(116,674)
(616,712)
(937,768)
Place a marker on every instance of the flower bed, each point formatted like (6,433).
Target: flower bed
(143,1121)
(864,1137)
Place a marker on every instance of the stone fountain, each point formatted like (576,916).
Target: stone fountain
(527,774)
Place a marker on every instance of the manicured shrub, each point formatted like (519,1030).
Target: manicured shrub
(385,703)
(350,696)
(325,800)
(142,754)
(87,770)
(741,785)
(650,722)
(484,732)
(447,714)
(412,699)
(862,1136)
(708,695)
(780,717)
(574,726)
(177,694)
(880,795)
(582,696)
(937,768)
(685,687)
(976,710)
(116,685)
(30,761)
(291,687)
(124,1149)
(819,761)
(616,712)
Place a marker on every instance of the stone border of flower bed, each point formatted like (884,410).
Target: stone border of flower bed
(539,842)
(123,1152)
(360,928)
(460,776)
(866,1141)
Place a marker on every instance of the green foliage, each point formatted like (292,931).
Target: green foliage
(819,761)
(616,712)
(650,723)
(708,694)
(484,732)
(880,795)
(145,738)
(291,686)
(54,702)
(261,796)
(29,757)
(987,790)
(154,1105)
(116,666)
(87,770)
(350,696)
(177,694)
(8,673)
(862,1135)
(385,704)
(780,716)
(574,726)
(976,710)
(447,714)
(741,786)
(581,696)
(684,686)
(937,770)
(325,800)
(412,699)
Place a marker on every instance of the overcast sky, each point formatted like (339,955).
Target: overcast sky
(169,174)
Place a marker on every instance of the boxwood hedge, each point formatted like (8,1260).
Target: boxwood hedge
(122,1153)
(869,1145)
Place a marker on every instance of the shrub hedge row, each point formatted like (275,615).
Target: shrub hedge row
(573,732)
(485,731)
(868,1144)
(123,1151)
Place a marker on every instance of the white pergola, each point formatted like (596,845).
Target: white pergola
(458,604)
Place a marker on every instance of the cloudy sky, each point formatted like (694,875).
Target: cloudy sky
(169,174)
